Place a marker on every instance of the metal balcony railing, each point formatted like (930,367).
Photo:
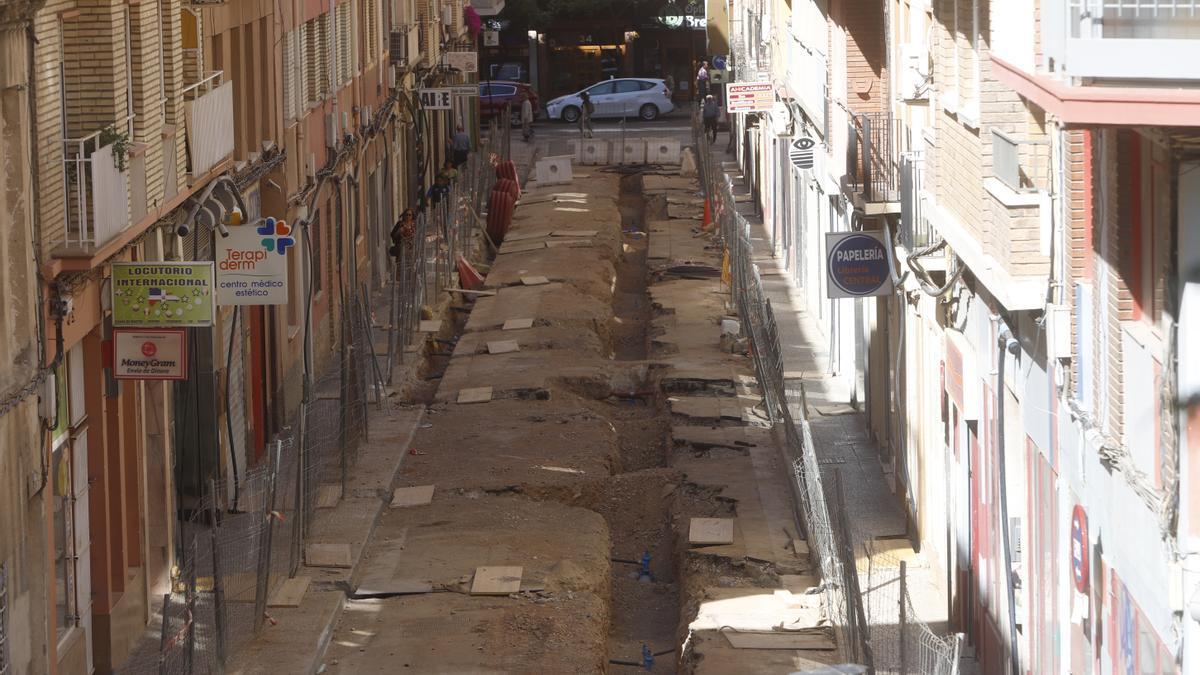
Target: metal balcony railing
(209,113)
(1023,165)
(96,177)
(871,166)
(1136,19)
(914,225)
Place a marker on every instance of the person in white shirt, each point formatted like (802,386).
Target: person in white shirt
(702,81)
(526,119)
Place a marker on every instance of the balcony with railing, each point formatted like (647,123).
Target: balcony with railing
(1102,61)
(208,111)
(100,177)
(872,170)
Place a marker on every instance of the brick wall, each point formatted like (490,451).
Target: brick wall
(866,72)
(48,102)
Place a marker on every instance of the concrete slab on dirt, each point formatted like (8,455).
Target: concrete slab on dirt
(328,496)
(534,280)
(803,639)
(517,324)
(575,233)
(521,247)
(526,236)
(475,395)
(327,555)
(503,346)
(496,580)
(419,495)
(704,531)
(430,326)
(290,593)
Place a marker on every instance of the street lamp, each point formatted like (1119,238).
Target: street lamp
(533,60)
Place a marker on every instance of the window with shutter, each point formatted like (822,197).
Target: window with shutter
(289,76)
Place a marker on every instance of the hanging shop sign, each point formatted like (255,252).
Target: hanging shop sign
(857,265)
(491,38)
(1079,549)
(436,99)
(802,152)
(745,97)
(252,264)
(467,62)
(150,354)
(162,294)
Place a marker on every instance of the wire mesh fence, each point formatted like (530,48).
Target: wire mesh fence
(901,641)
(818,495)
(246,535)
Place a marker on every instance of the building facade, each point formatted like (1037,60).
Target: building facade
(1032,382)
(132,132)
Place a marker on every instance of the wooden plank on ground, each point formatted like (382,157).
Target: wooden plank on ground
(517,324)
(521,247)
(419,495)
(806,639)
(475,395)
(574,233)
(710,531)
(327,555)
(503,346)
(496,580)
(328,495)
(290,593)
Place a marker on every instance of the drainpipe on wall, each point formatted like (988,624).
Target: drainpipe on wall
(1008,345)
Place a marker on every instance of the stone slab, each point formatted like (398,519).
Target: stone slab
(327,555)
(290,593)
(503,346)
(475,395)
(496,580)
(534,281)
(430,326)
(704,531)
(517,324)
(419,495)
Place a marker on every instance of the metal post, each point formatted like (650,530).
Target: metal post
(162,640)
(264,551)
(903,619)
(190,614)
(868,189)
(218,585)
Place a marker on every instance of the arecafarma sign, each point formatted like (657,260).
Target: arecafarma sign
(162,294)
(252,264)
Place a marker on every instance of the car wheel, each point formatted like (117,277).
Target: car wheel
(570,114)
(648,112)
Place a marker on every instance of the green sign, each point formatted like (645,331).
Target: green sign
(162,294)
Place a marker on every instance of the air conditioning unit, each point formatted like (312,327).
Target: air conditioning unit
(914,71)
(311,166)
(398,46)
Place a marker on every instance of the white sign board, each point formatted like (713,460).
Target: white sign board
(467,62)
(491,38)
(149,354)
(745,97)
(252,264)
(436,99)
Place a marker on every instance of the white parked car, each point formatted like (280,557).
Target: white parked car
(642,97)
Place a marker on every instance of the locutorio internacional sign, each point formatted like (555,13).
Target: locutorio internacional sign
(162,294)
(252,264)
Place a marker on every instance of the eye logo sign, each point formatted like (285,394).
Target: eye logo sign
(276,235)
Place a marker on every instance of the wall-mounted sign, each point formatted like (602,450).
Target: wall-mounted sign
(162,294)
(150,354)
(857,264)
(252,264)
(802,152)
(435,99)
(1079,549)
(745,97)
(491,38)
(467,62)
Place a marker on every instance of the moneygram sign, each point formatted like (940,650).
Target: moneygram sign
(252,264)
(858,265)
(149,354)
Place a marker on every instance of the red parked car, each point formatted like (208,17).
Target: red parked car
(494,94)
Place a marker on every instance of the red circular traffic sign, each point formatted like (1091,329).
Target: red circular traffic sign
(1079,548)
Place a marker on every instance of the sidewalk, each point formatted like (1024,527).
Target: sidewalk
(844,446)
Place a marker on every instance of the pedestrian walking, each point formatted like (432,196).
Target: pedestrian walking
(711,113)
(702,81)
(585,114)
(439,190)
(526,119)
(460,146)
(402,233)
